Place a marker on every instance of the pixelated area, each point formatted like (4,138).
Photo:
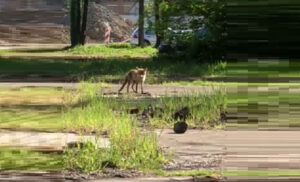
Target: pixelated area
(257,138)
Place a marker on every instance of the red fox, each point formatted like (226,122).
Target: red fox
(135,76)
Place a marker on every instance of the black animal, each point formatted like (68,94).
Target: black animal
(149,111)
(182,114)
(133,111)
(223,117)
(180,127)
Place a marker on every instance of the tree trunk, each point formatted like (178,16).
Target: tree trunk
(141,23)
(73,21)
(157,22)
(78,18)
(84,22)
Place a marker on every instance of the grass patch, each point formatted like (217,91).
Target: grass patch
(161,69)
(97,116)
(264,68)
(129,147)
(32,108)
(31,96)
(114,50)
(32,118)
(204,109)
(264,106)
(19,159)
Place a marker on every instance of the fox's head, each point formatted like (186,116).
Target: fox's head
(142,71)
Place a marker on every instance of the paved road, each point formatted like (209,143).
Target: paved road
(196,149)
(236,149)
(62,178)
(43,141)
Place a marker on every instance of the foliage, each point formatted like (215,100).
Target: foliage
(191,14)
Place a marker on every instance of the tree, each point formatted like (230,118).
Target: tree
(141,23)
(84,22)
(78,14)
(157,22)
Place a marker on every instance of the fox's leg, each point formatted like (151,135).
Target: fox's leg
(142,85)
(136,87)
(128,84)
(123,85)
(132,86)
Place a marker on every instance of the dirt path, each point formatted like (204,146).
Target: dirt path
(154,90)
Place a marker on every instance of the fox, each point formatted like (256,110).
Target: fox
(135,77)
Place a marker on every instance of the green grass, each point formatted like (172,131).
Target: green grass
(205,109)
(25,160)
(32,108)
(28,118)
(129,147)
(264,106)
(160,69)
(114,50)
(264,68)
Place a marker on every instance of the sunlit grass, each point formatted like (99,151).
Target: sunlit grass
(114,50)
(25,160)
(31,118)
(31,96)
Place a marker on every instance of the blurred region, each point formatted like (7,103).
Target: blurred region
(33,21)
(47,21)
(262,28)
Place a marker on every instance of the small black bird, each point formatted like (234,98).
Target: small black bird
(181,114)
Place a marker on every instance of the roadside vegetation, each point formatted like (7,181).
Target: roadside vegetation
(133,145)
(130,148)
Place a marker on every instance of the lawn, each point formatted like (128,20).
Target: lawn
(114,50)
(31,108)
(25,160)
(263,68)
(82,63)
